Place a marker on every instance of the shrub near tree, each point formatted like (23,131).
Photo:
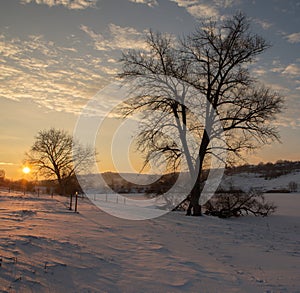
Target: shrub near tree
(237,203)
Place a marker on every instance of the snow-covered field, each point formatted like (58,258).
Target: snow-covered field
(44,247)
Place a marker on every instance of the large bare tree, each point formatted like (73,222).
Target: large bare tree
(55,154)
(213,65)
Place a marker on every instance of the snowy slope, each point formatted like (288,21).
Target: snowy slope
(245,181)
(46,248)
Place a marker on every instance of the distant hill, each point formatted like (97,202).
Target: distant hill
(282,176)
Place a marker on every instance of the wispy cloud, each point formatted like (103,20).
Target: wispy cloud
(118,38)
(7,164)
(197,9)
(53,76)
(285,120)
(292,70)
(290,115)
(259,71)
(226,3)
(205,9)
(293,38)
(263,23)
(70,4)
(150,3)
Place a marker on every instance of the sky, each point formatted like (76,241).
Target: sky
(57,54)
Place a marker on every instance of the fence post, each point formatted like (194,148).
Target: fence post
(70,208)
(76,201)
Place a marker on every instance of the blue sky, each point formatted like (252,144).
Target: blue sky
(57,54)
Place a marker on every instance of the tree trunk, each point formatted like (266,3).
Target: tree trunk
(196,191)
(194,208)
(62,189)
(189,209)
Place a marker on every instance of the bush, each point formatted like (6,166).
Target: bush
(293,186)
(229,204)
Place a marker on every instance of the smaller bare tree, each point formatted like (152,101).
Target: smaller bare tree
(55,154)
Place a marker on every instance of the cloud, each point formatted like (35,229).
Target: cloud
(264,24)
(150,3)
(202,10)
(118,38)
(289,117)
(292,70)
(198,10)
(185,3)
(279,88)
(53,76)
(259,71)
(293,38)
(226,3)
(277,69)
(284,120)
(7,164)
(70,4)
(109,70)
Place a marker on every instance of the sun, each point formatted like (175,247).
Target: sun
(26,170)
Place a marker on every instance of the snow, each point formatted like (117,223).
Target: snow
(246,181)
(44,247)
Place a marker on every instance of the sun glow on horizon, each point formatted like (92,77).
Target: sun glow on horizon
(26,170)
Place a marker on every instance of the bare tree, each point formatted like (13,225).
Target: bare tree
(213,64)
(55,154)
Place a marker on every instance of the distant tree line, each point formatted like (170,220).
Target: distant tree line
(267,170)
(118,184)
(49,186)
(16,185)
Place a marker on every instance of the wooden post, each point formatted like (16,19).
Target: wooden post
(70,208)
(76,201)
